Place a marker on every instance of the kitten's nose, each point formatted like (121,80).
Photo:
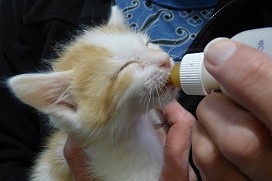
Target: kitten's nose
(160,58)
(165,63)
(164,60)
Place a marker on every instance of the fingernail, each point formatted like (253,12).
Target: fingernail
(219,50)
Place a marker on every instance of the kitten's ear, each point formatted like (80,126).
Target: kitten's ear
(47,92)
(117,17)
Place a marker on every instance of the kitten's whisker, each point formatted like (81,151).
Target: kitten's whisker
(159,97)
(174,56)
(148,102)
(149,95)
(173,46)
(162,91)
(151,29)
(139,17)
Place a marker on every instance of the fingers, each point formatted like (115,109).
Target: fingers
(240,137)
(192,174)
(178,143)
(245,73)
(211,163)
(75,158)
(179,135)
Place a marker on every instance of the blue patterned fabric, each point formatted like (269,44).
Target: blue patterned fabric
(172,29)
(187,4)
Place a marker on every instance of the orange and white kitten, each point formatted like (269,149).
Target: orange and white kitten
(103,90)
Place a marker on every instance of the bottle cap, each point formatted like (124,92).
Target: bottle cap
(191,74)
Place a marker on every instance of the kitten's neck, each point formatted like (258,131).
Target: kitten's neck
(134,125)
(122,129)
(139,146)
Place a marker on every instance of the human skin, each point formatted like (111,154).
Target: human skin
(232,137)
(177,148)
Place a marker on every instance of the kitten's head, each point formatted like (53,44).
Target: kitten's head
(108,71)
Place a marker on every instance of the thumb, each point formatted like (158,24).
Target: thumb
(75,158)
(245,73)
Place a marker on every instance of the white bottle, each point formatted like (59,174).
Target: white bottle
(192,75)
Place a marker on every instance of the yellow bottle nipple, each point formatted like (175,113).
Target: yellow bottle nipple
(174,76)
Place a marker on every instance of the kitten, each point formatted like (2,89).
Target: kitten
(103,90)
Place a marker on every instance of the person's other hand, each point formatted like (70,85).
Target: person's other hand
(178,144)
(232,139)
(75,158)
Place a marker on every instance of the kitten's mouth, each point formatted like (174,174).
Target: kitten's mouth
(167,86)
(164,88)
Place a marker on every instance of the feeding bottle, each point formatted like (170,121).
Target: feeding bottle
(191,74)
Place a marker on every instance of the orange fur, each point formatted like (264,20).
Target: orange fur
(60,171)
(91,69)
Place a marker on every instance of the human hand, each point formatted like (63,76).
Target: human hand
(178,144)
(75,158)
(233,141)
(177,147)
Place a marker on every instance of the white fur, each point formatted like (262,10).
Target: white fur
(127,148)
(138,157)
(116,17)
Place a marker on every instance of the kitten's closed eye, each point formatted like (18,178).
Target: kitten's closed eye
(124,66)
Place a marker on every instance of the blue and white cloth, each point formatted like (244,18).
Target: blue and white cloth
(173,24)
